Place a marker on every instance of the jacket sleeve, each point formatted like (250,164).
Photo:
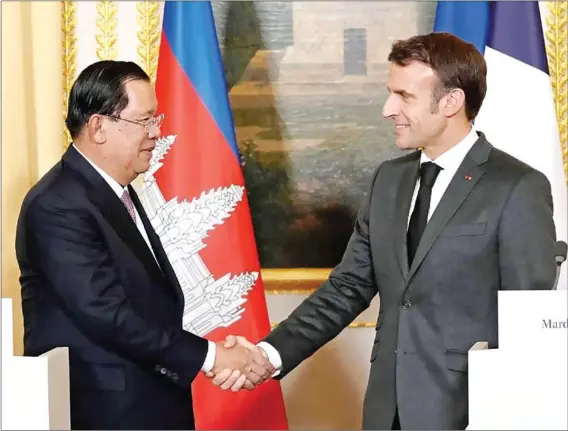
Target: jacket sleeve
(527,236)
(348,291)
(72,256)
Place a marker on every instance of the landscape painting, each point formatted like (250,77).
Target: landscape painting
(307,81)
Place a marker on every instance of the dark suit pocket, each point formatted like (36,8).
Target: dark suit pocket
(465,229)
(105,377)
(456,360)
(375,349)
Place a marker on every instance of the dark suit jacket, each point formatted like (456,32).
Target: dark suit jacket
(492,232)
(90,282)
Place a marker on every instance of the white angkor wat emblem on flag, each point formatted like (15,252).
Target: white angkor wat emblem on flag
(182,228)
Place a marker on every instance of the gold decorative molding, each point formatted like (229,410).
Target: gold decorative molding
(148,20)
(106,30)
(69,57)
(289,291)
(557,52)
(352,325)
(299,281)
(293,281)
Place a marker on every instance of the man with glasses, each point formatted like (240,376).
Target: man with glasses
(94,275)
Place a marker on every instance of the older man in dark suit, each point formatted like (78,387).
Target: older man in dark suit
(95,276)
(440,232)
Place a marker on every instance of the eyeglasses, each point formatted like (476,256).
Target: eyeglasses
(148,125)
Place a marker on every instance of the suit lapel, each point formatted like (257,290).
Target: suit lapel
(114,211)
(156,243)
(464,180)
(406,184)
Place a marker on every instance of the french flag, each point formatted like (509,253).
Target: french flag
(518,115)
(202,167)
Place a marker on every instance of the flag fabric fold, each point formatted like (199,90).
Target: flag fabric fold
(195,196)
(518,115)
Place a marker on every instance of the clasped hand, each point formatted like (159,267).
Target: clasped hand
(239,364)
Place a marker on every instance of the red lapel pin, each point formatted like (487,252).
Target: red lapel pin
(468,177)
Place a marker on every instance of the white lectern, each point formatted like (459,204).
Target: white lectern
(524,383)
(35,391)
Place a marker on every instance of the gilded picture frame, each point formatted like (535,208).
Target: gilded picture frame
(306,106)
(293,281)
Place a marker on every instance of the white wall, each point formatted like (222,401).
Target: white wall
(326,391)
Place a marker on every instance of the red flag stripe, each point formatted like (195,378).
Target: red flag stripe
(201,160)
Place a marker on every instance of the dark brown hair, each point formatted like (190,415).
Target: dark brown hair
(457,63)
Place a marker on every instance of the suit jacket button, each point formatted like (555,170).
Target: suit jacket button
(406,304)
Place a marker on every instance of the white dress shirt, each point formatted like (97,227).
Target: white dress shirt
(120,190)
(449,161)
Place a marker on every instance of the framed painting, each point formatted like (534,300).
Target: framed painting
(307,81)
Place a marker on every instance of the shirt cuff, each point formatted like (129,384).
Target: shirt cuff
(273,356)
(209,358)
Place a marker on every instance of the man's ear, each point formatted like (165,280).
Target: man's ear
(96,129)
(454,101)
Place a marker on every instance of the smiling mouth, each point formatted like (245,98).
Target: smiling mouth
(399,128)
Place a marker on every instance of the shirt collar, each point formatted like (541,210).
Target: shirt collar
(452,158)
(114,185)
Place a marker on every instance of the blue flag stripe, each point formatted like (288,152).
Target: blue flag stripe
(466,19)
(516,30)
(189,27)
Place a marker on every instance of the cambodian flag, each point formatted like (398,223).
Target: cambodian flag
(518,114)
(194,193)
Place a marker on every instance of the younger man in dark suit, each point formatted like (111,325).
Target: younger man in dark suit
(440,232)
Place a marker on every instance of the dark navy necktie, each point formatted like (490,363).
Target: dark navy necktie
(428,173)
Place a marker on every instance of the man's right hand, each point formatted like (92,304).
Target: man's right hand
(239,363)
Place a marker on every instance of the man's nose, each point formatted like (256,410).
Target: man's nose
(389,108)
(155,132)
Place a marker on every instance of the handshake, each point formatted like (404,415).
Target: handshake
(239,364)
